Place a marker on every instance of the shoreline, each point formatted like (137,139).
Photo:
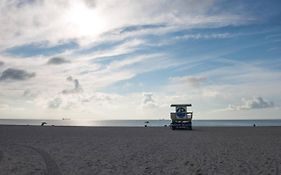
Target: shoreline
(85,126)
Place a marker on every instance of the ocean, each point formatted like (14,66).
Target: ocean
(140,123)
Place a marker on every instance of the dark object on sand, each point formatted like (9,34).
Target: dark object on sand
(146,122)
(43,123)
(181,118)
(165,125)
(254,125)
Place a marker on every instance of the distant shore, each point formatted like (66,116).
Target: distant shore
(139,150)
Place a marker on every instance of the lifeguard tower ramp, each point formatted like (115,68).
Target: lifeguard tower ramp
(181,118)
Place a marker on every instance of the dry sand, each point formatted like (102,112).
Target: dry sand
(108,150)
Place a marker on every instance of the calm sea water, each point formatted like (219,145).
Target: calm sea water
(139,123)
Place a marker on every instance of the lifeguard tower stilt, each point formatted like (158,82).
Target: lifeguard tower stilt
(181,118)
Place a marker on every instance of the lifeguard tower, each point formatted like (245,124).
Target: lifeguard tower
(181,118)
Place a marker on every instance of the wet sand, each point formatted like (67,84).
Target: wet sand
(124,150)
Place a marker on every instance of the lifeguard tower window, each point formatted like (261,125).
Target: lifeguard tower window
(181,118)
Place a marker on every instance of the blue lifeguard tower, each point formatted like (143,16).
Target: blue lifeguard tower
(181,118)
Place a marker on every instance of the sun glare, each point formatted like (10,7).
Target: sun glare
(84,20)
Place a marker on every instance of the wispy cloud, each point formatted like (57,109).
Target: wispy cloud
(125,47)
(206,36)
(192,81)
(83,22)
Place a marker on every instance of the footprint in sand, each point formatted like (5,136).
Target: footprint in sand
(244,168)
(271,167)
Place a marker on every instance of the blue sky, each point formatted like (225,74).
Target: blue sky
(94,59)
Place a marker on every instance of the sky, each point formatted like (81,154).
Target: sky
(130,59)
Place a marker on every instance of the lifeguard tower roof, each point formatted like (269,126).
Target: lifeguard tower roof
(175,105)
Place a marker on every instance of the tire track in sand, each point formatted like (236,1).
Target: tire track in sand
(1,155)
(51,166)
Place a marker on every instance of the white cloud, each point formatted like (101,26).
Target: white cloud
(4,107)
(148,101)
(76,89)
(30,94)
(253,103)
(55,103)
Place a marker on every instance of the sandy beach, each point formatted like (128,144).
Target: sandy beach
(125,150)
